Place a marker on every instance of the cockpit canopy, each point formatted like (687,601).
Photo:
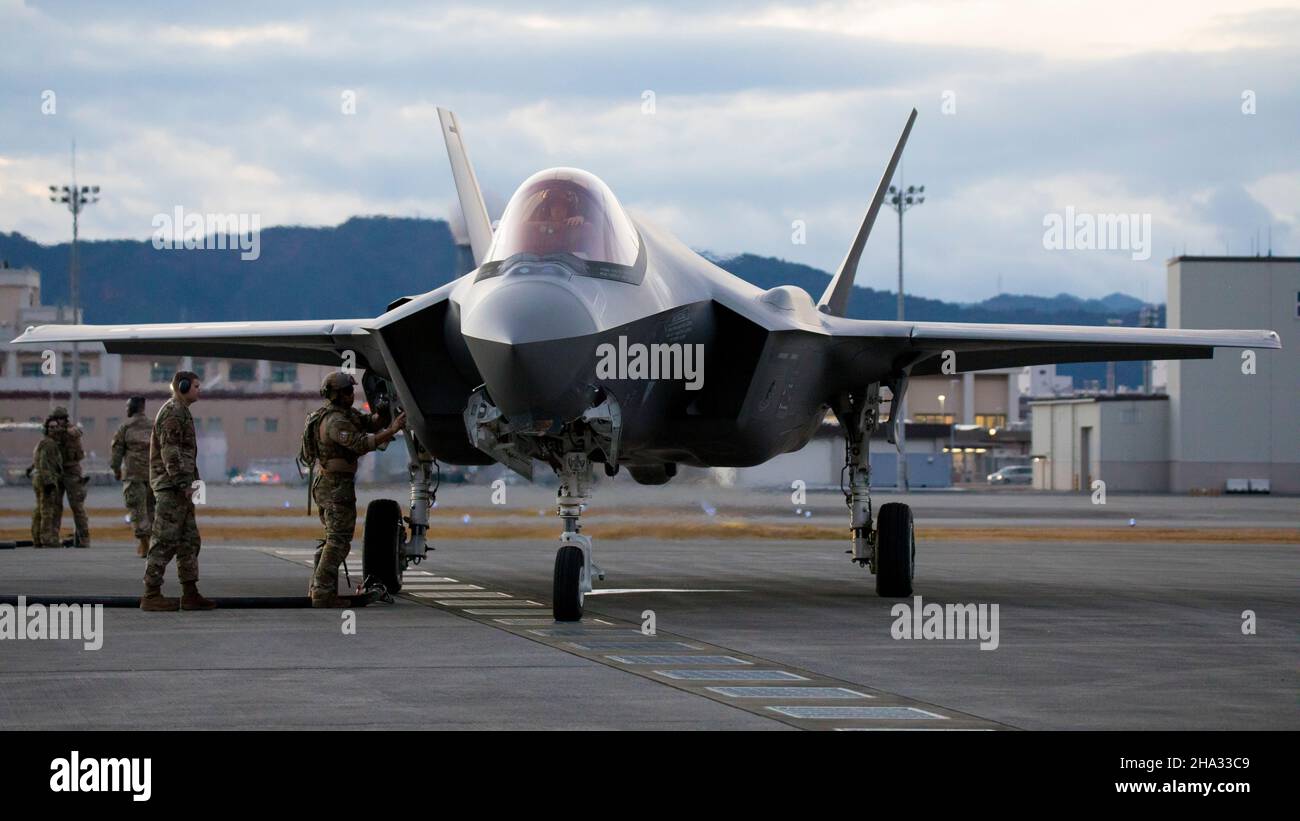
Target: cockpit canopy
(565,211)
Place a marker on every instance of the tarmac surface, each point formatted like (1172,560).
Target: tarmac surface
(1136,634)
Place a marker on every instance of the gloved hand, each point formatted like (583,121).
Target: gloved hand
(117,474)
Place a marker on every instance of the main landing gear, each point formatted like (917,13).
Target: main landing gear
(392,542)
(889,550)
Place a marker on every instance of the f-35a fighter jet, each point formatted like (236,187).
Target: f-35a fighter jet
(585,334)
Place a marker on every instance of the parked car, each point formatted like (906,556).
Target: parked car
(268,472)
(1012,475)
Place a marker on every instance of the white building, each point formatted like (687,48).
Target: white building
(1226,423)
(1233,417)
(1121,439)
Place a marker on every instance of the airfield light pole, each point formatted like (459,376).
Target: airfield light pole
(901,199)
(75,198)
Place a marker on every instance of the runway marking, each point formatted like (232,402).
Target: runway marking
(930,729)
(788,692)
(522,622)
(435,587)
(678,660)
(698,667)
(502,611)
(633,645)
(730,675)
(619,591)
(460,594)
(899,713)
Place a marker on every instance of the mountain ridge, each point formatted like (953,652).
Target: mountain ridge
(355,269)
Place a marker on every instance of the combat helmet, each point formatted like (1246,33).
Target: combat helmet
(335,383)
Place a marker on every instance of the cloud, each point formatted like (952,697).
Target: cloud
(763,115)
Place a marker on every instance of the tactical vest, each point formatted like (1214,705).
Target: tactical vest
(319,450)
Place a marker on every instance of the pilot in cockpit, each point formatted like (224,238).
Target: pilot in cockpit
(565,211)
(558,209)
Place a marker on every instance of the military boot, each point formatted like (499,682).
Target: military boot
(191,600)
(142,547)
(315,562)
(333,600)
(154,601)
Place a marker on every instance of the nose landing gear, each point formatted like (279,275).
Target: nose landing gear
(575,566)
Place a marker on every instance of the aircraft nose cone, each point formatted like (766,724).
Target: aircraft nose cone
(526,310)
(533,340)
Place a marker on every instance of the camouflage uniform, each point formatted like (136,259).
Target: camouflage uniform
(74,483)
(47,478)
(345,435)
(173,453)
(131,460)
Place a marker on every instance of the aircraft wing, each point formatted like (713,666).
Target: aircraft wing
(319,342)
(920,346)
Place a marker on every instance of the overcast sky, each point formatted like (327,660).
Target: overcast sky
(763,115)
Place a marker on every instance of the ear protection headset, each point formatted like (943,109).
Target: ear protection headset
(184,385)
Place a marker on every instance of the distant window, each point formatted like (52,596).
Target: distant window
(991,420)
(272,425)
(214,424)
(88,424)
(162,372)
(933,418)
(282,372)
(67,367)
(31,369)
(200,370)
(251,424)
(198,425)
(242,372)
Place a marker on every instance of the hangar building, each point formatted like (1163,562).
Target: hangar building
(1227,423)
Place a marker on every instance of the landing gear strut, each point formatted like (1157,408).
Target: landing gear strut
(392,542)
(889,550)
(574,565)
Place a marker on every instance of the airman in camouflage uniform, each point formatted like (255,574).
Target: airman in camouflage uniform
(74,482)
(173,469)
(47,481)
(130,466)
(343,436)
